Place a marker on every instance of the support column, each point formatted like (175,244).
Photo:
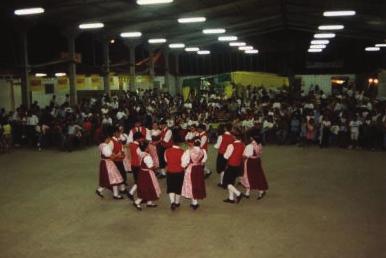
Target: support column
(72,68)
(151,65)
(106,72)
(25,85)
(167,72)
(133,86)
(177,73)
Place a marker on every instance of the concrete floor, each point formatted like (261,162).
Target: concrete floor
(322,203)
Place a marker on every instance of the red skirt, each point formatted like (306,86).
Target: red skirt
(256,176)
(146,190)
(198,182)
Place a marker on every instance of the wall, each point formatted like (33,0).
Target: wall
(8,100)
(382,84)
(324,81)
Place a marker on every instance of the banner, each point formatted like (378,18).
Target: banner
(256,79)
(96,82)
(185,92)
(36,84)
(63,84)
(80,82)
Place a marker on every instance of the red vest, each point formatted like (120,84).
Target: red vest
(237,155)
(166,144)
(205,147)
(142,130)
(173,157)
(226,140)
(117,150)
(133,153)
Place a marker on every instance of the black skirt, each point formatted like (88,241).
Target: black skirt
(174,182)
(221,163)
(230,175)
(122,170)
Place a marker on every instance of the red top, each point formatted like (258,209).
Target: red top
(117,150)
(133,147)
(173,157)
(140,129)
(226,140)
(237,155)
(163,143)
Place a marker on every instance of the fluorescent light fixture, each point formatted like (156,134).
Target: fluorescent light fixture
(60,74)
(134,34)
(192,49)
(380,45)
(89,26)
(237,44)
(315,50)
(253,51)
(320,42)
(324,35)
(177,45)
(244,48)
(151,2)
(339,13)
(331,27)
(372,49)
(156,41)
(40,74)
(318,46)
(203,52)
(213,31)
(192,20)
(227,38)
(29,11)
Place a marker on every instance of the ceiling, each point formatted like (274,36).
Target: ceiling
(280,29)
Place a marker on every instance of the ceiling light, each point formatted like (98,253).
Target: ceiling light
(237,44)
(192,20)
(227,38)
(203,52)
(253,51)
(246,48)
(29,11)
(339,13)
(60,74)
(380,45)
(331,27)
(315,50)
(372,49)
(214,31)
(318,46)
(135,34)
(40,75)
(112,41)
(177,45)
(192,49)
(89,26)
(324,35)
(156,41)
(150,2)
(318,42)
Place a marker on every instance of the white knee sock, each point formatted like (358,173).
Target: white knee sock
(133,189)
(230,195)
(100,189)
(122,187)
(221,177)
(247,191)
(163,172)
(207,170)
(115,190)
(138,201)
(149,203)
(194,202)
(172,197)
(234,190)
(177,198)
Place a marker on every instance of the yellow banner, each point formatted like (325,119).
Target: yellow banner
(63,84)
(96,82)
(185,93)
(80,82)
(36,84)
(257,79)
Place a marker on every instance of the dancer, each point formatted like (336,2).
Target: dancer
(222,143)
(148,187)
(166,142)
(154,145)
(119,157)
(254,177)
(141,129)
(202,134)
(174,175)
(109,175)
(193,187)
(135,162)
(233,155)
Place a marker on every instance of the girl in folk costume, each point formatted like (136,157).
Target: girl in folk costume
(222,143)
(254,177)
(124,139)
(166,142)
(135,161)
(202,134)
(119,156)
(174,175)
(153,145)
(233,155)
(148,188)
(109,176)
(191,135)
(194,160)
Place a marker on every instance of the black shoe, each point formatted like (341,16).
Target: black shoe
(122,191)
(245,196)
(229,201)
(238,198)
(99,194)
(160,176)
(130,196)
(151,205)
(173,206)
(137,206)
(119,197)
(177,205)
(261,196)
(194,207)
(220,185)
(208,175)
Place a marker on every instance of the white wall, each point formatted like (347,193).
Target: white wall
(323,80)
(8,101)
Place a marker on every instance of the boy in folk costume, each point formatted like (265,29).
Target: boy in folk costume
(154,145)
(174,175)
(191,135)
(166,142)
(119,156)
(234,156)
(109,175)
(135,161)
(124,139)
(194,160)
(222,143)
(141,129)
(253,176)
(148,187)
